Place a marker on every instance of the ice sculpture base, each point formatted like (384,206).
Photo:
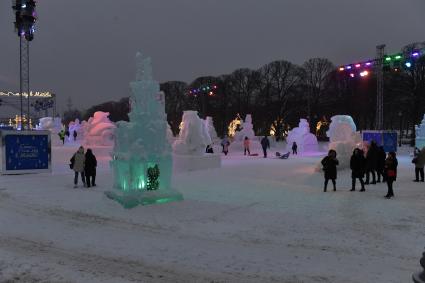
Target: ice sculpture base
(420,142)
(131,200)
(254,147)
(185,163)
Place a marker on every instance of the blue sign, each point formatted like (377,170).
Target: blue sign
(386,139)
(390,142)
(27,152)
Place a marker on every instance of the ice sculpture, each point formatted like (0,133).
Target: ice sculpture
(189,148)
(420,134)
(209,123)
(193,137)
(99,130)
(247,130)
(75,126)
(54,125)
(142,159)
(343,138)
(306,141)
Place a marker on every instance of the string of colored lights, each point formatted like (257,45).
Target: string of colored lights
(208,89)
(363,69)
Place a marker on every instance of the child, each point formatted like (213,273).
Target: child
(246,146)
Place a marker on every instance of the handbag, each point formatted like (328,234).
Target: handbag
(391,173)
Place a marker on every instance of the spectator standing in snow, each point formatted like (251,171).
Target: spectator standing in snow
(225,144)
(391,164)
(294,148)
(357,164)
(371,162)
(246,143)
(419,161)
(75,135)
(265,144)
(381,156)
(329,166)
(90,168)
(77,164)
(61,135)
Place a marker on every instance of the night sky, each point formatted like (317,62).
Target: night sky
(85,49)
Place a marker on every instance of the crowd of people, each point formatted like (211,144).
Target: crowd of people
(375,163)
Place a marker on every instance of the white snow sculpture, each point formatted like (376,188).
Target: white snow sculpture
(193,137)
(306,141)
(247,130)
(99,130)
(210,127)
(420,134)
(54,125)
(77,127)
(343,138)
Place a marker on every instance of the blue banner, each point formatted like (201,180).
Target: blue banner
(27,152)
(386,139)
(390,142)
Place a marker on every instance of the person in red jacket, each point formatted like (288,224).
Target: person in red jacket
(391,164)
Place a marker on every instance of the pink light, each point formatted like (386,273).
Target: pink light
(368,64)
(352,75)
(358,65)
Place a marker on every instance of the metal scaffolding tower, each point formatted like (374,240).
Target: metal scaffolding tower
(380,53)
(24,83)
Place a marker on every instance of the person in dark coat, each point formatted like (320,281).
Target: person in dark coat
(380,164)
(209,149)
(90,168)
(371,162)
(391,164)
(357,166)
(265,144)
(75,135)
(294,148)
(329,166)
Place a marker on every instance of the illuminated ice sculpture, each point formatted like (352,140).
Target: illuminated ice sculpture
(98,130)
(420,135)
(141,158)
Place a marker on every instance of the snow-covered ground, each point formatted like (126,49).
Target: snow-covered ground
(253,220)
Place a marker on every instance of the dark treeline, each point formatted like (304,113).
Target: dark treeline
(285,92)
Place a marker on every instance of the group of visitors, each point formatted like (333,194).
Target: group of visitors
(65,133)
(375,163)
(84,164)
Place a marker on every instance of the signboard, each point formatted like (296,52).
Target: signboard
(387,139)
(25,152)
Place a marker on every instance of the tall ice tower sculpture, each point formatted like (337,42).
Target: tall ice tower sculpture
(142,156)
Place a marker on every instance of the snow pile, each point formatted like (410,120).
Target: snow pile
(209,124)
(99,130)
(142,160)
(306,141)
(193,137)
(343,138)
(420,134)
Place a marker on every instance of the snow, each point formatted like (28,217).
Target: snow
(98,130)
(306,141)
(252,220)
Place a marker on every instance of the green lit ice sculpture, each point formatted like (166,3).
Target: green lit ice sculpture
(142,156)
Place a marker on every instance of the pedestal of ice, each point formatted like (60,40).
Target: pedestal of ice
(420,134)
(306,141)
(142,159)
(343,138)
(189,148)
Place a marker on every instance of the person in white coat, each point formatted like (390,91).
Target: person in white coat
(77,164)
